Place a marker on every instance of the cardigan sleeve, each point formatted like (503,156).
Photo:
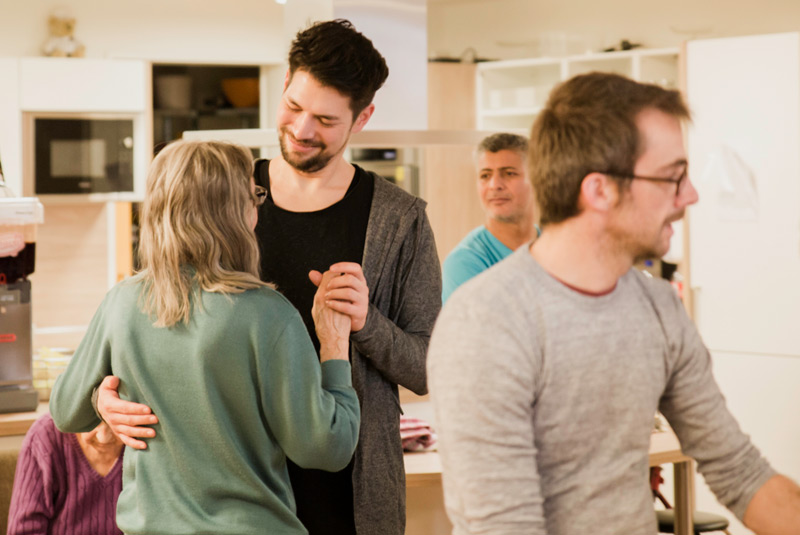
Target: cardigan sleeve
(397,343)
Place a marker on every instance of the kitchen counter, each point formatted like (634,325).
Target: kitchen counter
(424,469)
(18,423)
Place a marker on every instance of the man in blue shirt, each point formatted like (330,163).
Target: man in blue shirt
(507,198)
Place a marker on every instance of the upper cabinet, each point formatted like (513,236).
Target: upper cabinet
(85,85)
(204,97)
(511,92)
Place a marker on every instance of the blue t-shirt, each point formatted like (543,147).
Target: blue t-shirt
(478,251)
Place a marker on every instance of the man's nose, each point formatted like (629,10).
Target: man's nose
(688,194)
(303,126)
(495,181)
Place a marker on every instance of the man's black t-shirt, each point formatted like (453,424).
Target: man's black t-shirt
(292,244)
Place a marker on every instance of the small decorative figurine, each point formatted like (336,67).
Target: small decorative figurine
(62,42)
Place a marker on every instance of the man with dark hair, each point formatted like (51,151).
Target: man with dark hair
(507,198)
(323,213)
(546,371)
(337,56)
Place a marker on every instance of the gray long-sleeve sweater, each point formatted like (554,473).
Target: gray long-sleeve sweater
(545,397)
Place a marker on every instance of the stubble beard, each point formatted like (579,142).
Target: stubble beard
(657,250)
(510,219)
(312,164)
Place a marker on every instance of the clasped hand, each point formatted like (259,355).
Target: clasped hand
(347,293)
(333,328)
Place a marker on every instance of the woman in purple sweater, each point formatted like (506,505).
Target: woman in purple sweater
(66,484)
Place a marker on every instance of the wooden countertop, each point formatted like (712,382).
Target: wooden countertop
(18,423)
(665,449)
(423,469)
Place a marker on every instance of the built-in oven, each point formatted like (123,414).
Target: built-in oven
(80,153)
(399,166)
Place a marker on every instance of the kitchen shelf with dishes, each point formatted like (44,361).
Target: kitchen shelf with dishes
(204,97)
(510,93)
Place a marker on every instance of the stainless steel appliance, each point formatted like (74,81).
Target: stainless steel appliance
(398,166)
(17,257)
(16,373)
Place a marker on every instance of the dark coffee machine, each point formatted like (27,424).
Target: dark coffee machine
(18,220)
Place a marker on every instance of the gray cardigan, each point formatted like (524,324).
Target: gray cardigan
(402,269)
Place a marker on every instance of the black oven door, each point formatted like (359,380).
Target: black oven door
(83,155)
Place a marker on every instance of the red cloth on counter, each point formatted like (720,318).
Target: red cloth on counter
(416,434)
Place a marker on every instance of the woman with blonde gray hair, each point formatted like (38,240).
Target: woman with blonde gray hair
(223,360)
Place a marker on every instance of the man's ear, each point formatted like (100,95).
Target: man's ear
(362,118)
(286,79)
(599,192)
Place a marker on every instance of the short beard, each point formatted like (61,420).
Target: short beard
(311,165)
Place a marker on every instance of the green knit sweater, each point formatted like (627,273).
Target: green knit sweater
(236,391)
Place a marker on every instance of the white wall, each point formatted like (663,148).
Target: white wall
(745,93)
(399,31)
(246,31)
(502,29)
(762,393)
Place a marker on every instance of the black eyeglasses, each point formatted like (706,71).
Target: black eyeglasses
(677,181)
(260,193)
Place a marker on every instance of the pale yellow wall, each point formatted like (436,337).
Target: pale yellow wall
(248,31)
(516,28)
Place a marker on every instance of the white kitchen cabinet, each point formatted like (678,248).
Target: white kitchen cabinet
(84,85)
(511,92)
(70,87)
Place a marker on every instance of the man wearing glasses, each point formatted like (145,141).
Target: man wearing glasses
(546,371)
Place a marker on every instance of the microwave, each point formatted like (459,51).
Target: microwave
(80,153)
